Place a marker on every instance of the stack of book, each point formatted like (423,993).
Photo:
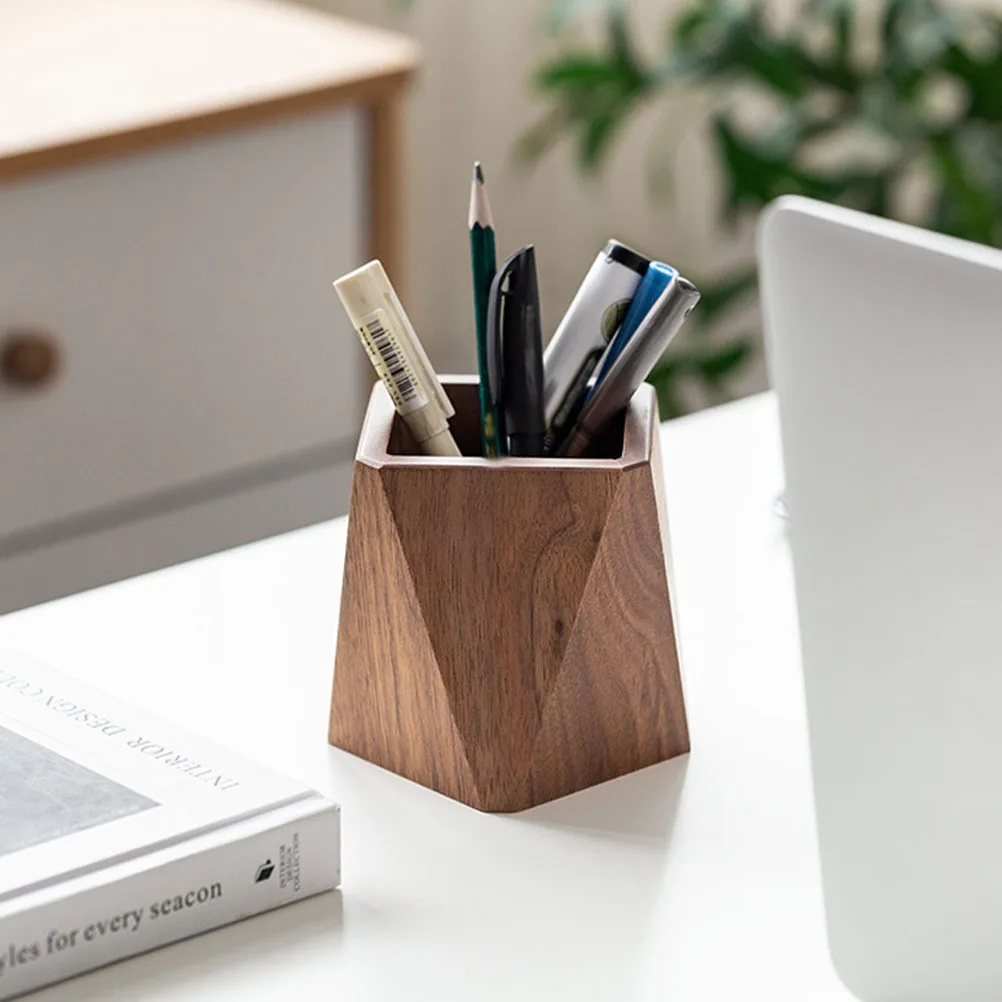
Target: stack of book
(120,833)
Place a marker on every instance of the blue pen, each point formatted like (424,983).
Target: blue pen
(656,279)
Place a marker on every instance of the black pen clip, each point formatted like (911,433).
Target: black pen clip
(495,320)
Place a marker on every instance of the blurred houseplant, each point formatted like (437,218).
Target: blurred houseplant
(894,108)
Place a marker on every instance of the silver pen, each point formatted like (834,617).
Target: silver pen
(641,353)
(590,323)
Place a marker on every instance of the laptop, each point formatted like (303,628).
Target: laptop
(884,345)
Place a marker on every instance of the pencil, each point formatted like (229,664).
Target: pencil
(484,261)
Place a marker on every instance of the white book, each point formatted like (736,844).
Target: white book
(120,833)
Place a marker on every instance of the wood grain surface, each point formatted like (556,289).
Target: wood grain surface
(95,78)
(506,632)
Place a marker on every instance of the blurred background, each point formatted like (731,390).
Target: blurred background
(181,180)
(491,88)
(670,125)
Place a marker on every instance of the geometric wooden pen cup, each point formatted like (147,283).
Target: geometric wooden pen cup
(506,631)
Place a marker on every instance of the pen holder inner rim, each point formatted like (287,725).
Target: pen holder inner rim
(386,439)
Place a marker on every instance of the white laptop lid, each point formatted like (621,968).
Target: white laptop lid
(885,347)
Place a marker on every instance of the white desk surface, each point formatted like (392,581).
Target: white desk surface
(691,881)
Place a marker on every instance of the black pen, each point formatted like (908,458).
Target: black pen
(515,346)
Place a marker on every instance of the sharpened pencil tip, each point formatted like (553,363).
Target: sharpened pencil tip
(480,210)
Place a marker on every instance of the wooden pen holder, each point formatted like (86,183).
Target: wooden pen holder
(506,631)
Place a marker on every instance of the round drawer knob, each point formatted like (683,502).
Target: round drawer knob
(29,358)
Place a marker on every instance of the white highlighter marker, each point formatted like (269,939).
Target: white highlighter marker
(398,357)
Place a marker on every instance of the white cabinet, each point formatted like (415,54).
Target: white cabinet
(177,269)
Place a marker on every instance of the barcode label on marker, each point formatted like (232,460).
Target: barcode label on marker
(391,364)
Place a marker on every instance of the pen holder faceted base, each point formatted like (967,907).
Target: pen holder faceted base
(506,632)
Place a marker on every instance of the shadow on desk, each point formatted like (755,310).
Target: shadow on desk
(199,967)
(640,806)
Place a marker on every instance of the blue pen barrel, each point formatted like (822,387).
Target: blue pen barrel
(656,279)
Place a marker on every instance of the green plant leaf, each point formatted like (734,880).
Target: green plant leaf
(756,173)
(718,297)
(575,71)
(766,58)
(982,79)
(796,129)
(540,138)
(620,43)
(592,93)
(708,25)
(754,176)
(709,366)
(690,23)
(706,42)
(716,366)
(828,72)
(838,18)
(926,38)
(891,20)
(843,22)
(917,36)
(854,127)
(666,378)
(595,139)
(965,208)
(875,193)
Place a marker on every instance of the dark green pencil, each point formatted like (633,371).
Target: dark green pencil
(484,261)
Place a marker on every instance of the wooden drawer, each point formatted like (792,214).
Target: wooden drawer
(189,290)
